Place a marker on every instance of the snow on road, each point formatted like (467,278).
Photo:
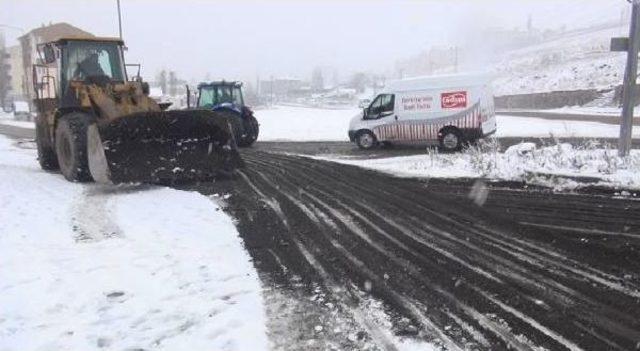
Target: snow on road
(86,267)
(304,124)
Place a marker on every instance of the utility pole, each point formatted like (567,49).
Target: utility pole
(631,45)
(119,20)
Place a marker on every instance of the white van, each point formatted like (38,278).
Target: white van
(444,110)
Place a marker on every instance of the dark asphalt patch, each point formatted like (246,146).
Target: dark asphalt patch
(447,271)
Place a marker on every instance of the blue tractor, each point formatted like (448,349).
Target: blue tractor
(226,99)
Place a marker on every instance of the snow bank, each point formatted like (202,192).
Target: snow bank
(20,124)
(554,166)
(589,110)
(304,124)
(509,126)
(85,267)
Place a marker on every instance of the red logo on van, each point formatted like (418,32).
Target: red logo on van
(457,99)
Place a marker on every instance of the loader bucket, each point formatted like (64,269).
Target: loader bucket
(162,147)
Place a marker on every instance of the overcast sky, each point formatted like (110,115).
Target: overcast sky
(241,39)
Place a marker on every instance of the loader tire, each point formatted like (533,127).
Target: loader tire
(251,130)
(71,147)
(46,154)
(235,122)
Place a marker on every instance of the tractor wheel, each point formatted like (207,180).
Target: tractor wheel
(46,154)
(251,130)
(71,147)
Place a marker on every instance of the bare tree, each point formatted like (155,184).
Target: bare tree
(161,80)
(173,83)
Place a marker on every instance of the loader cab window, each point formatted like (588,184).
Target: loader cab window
(81,60)
(382,106)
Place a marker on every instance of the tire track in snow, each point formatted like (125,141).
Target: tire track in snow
(475,275)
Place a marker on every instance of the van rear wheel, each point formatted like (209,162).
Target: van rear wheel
(451,140)
(366,140)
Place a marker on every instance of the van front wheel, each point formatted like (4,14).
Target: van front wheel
(366,140)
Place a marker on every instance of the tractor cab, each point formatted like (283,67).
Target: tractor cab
(226,98)
(220,94)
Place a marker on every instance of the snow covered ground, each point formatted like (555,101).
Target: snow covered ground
(8,119)
(540,128)
(557,166)
(593,111)
(311,124)
(304,124)
(86,267)
(21,124)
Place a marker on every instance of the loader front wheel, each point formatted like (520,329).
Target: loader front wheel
(71,147)
(46,154)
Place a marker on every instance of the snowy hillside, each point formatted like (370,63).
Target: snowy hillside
(581,60)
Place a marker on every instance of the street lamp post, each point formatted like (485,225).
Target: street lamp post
(119,20)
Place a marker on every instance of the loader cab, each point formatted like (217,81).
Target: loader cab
(98,60)
(216,94)
(82,60)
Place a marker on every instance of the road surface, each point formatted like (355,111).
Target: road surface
(509,268)
(528,269)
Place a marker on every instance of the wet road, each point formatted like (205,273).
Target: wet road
(338,246)
(527,269)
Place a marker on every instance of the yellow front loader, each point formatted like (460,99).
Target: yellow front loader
(94,123)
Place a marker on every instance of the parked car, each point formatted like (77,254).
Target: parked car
(444,110)
(21,111)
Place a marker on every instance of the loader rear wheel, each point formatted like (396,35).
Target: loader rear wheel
(251,130)
(46,154)
(71,147)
